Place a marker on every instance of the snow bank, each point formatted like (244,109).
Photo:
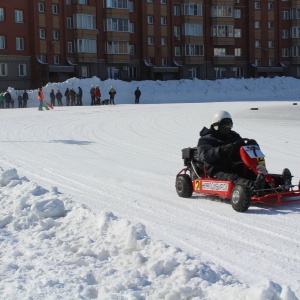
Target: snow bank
(54,248)
(194,91)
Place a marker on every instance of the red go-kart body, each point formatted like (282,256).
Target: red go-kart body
(277,190)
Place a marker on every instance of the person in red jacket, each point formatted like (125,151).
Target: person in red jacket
(41,98)
(97,95)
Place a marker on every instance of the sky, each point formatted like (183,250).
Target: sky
(89,208)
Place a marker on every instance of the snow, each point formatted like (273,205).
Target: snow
(89,208)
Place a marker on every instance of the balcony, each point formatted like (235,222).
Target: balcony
(193,60)
(219,41)
(118,58)
(224,60)
(86,57)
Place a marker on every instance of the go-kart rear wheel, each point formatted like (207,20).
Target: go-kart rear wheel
(240,198)
(184,186)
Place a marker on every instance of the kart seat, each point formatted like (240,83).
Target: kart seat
(190,157)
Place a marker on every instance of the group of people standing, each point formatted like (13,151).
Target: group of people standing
(7,98)
(95,94)
(71,97)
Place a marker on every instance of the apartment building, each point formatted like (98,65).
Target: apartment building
(45,41)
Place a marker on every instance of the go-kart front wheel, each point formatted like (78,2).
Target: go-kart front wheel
(184,186)
(240,198)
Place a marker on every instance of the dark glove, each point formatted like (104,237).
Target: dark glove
(226,149)
(252,142)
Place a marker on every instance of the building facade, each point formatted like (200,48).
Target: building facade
(45,41)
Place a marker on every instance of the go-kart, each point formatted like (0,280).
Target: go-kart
(277,188)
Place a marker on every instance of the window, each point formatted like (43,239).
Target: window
(193,50)
(130,7)
(236,1)
(238,13)
(221,11)
(164,41)
(163,1)
(177,51)
(271,25)
(150,19)
(176,30)
(190,9)
(69,23)
(42,33)
(68,2)
(132,72)
(256,5)
(219,51)
(295,50)
(151,61)
(2,42)
(19,43)
(150,40)
(149,1)
(70,47)
(285,52)
(271,62)
(86,46)
(1,14)
(164,62)
(285,15)
(193,73)
(85,72)
(221,73)
(238,51)
(3,69)
(295,13)
(56,59)
(82,2)
(258,62)
(163,21)
(19,16)
(54,9)
(192,29)
(117,47)
(295,32)
(222,30)
(285,33)
(83,21)
(41,7)
(22,70)
(257,24)
(117,24)
(113,72)
(122,4)
(55,35)
(270,5)
(176,10)
(131,28)
(131,49)
(42,58)
(257,44)
(271,44)
(237,32)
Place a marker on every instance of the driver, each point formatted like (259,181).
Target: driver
(217,148)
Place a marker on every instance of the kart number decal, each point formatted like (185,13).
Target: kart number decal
(214,186)
(261,160)
(197,185)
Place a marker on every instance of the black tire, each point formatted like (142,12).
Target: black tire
(184,187)
(240,198)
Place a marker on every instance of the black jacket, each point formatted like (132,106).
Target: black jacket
(209,150)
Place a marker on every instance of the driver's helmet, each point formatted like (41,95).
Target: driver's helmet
(222,121)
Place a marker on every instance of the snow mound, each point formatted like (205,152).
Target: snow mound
(54,248)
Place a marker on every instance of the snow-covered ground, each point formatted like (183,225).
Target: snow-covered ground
(89,208)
